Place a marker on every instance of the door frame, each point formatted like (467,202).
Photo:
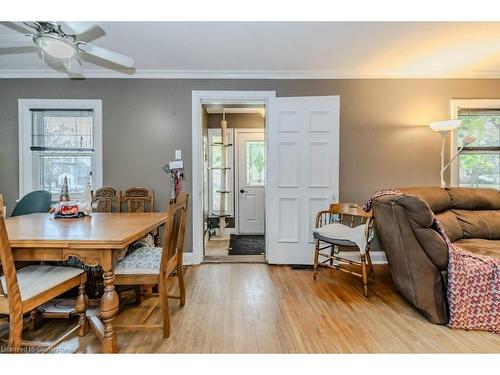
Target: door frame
(215,97)
(236,181)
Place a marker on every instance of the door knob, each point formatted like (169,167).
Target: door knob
(242,191)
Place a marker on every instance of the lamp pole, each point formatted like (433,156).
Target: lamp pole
(443,133)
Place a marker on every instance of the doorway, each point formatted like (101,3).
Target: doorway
(251,173)
(234,150)
(302,169)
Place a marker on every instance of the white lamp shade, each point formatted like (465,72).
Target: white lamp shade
(444,126)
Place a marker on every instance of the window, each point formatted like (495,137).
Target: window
(59,139)
(215,150)
(256,163)
(479,163)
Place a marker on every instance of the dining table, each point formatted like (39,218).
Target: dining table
(98,239)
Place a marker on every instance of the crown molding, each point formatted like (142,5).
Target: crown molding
(240,74)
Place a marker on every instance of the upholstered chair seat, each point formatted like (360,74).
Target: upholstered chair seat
(145,260)
(35,280)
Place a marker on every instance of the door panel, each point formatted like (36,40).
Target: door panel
(251,182)
(303,173)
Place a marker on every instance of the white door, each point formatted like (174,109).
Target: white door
(251,181)
(303,173)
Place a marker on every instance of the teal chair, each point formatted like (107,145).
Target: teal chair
(34,202)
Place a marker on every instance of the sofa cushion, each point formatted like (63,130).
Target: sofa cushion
(479,224)
(480,246)
(451,225)
(474,199)
(418,211)
(433,245)
(437,198)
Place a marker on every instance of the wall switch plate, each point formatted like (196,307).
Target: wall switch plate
(178,154)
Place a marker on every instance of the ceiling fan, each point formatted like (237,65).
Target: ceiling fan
(61,40)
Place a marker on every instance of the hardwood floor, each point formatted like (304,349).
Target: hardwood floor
(217,246)
(256,308)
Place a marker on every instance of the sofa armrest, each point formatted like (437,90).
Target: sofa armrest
(414,273)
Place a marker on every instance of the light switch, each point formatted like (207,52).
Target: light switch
(178,154)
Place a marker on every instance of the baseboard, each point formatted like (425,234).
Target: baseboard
(187,259)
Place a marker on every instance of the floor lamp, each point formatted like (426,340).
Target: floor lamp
(444,128)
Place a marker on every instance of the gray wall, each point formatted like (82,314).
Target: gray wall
(384,138)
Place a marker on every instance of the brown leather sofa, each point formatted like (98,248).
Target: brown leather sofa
(417,254)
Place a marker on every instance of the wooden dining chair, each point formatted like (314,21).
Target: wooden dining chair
(154,265)
(139,199)
(350,215)
(23,290)
(106,199)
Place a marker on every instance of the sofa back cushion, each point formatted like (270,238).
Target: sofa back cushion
(478,223)
(437,198)
(451,225)
(463,212)
(474,199)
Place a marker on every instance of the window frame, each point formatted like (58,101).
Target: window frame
(27,168)
(455,106)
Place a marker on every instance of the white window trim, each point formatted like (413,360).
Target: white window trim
(25,154)
(456,105)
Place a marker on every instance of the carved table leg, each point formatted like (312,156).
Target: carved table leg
(82,303)
(109,309)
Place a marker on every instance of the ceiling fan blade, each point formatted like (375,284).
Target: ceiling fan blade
(21,27)
(73,66)
(16,40)
(77,27)
(106,54)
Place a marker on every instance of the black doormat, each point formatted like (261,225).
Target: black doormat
(243,244)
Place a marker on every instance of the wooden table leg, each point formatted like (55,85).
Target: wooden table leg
(109,309)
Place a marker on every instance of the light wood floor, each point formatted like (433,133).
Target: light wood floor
(256,308)
(217,246)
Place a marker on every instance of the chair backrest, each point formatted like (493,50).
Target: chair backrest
(138,199)
(350,214)
(10,295)
(34,202)
(106,199)
(175,228)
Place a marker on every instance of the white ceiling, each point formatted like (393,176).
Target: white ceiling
(284,50)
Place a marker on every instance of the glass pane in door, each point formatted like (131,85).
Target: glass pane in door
(256,163)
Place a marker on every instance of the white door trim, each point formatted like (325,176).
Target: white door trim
(236,147)
(198,99)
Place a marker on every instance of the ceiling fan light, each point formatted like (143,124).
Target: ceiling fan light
(57,47)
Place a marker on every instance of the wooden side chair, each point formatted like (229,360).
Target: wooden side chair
(106,199)
(154,265)
(337,227)
(23,290)
(138,199)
